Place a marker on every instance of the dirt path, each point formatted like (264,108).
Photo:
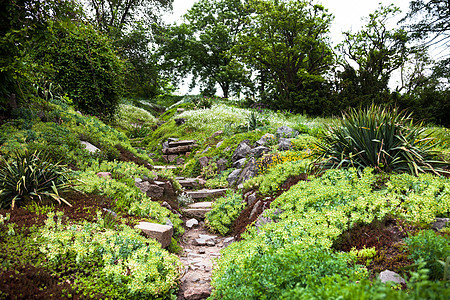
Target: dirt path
(200,249)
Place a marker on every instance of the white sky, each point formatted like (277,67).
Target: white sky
(348,16)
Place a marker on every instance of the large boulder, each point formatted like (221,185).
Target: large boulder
(248,172)
(221,165)
(239,163)
(265,139)
(284,144)
(242,150)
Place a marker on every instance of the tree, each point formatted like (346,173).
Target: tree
(201,45)
(286,41)
(377,52)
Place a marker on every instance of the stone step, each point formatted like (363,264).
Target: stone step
(164,167)
(161,233)
(178,150)
(175,144)
(197,210)
(189,182)
(201,194)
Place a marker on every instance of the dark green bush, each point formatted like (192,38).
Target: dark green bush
(86,67)
(383,138)
(429,247)
(30,177)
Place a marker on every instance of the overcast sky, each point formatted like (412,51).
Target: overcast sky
(347,15)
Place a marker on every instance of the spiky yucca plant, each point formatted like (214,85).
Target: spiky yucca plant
(30,177)
(379,137)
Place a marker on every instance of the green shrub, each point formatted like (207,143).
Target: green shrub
(382,138)
(86,67)
(429,247)
(224,211)
(30,177)
(131,265)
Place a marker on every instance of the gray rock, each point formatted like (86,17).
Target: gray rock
(206,149)
(255,209)
(228,241)
(203,161)
(440,223)
(165,145)
(217,133)
(240,186)
(248,172)
(191,223)
(388,275)
(242,150)
(171,140)
(169,223)
(89,147)
(205,193)
(239,163)
(138,180)
(259,151)
(180,110)
(219,144)
(161,233)
(221,165)
(284,144)
(110,212)
(286,132)
(180,161)
(144,186)
(197,210)
(264,139)
(233,177)
(251,199)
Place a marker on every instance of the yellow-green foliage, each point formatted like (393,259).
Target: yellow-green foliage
(315,214)
(268,161)
(224,211)
(133,265)
(271,181)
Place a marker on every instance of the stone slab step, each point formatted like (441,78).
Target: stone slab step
(189,182)
(201,194)
(197,210)
(179,149)
(161,233)
(181,143)
(164,167)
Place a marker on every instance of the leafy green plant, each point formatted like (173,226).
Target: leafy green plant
(383,138)
(431,248)
(30,177)
(224,211)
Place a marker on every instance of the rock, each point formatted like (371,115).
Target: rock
(217,133)
(239,163)
(286,132)
(256,209)
(240,186)
(206,193)
(284,144)
(137,180)
(180,110)
(206,150)
(189,182)
(106,175)
(440,223)
(221,165)
(165,145)
(172,140)
(161,233)
(170,158)
(242,150)
(178,149)
(169,223)
(259,151)
(219,144)
(233,177)
(110,212)
(154,191)
(180,161)
(203,161)
(197,292)
(180,121)
(248,172)
(166,205)
(89,147)
(191,223)
(197,210)
(228,241)
(388,275)
(144,186)
(251,199)
(265,139)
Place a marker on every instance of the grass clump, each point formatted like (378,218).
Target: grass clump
(30,177)
(383,138)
